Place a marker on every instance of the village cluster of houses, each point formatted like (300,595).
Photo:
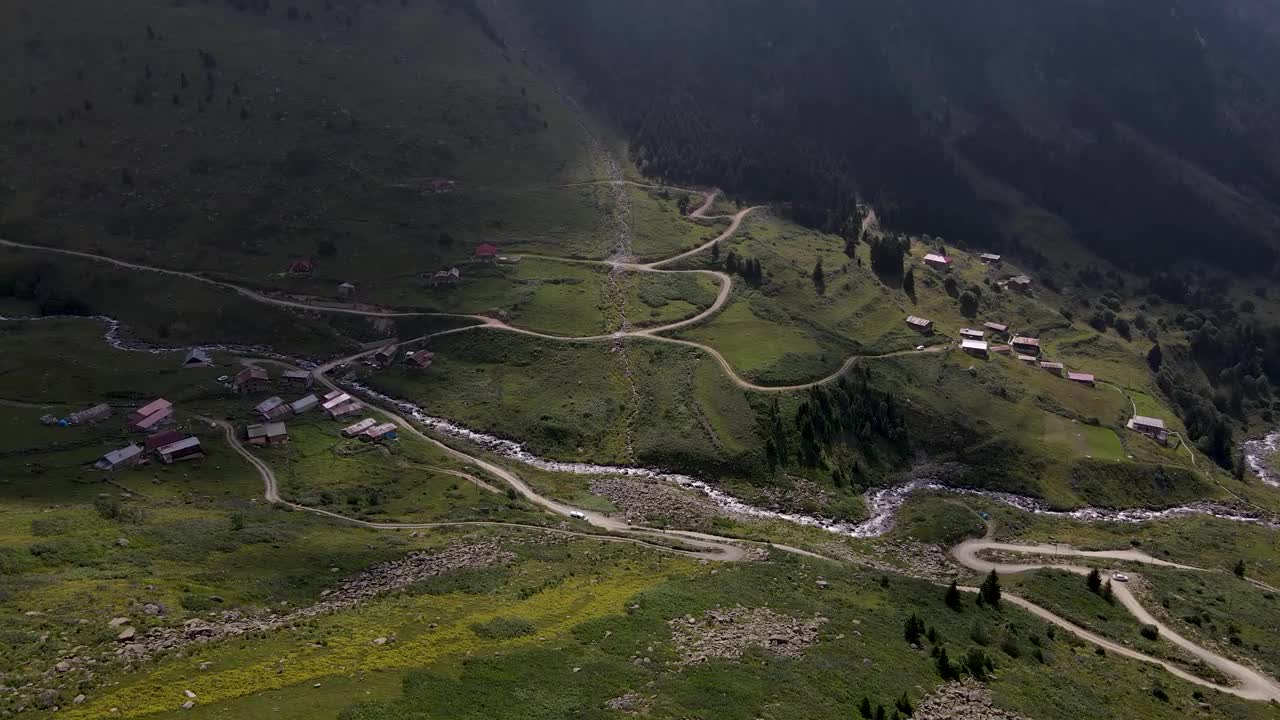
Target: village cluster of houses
(369,430)
(335,404)
(944,263)
(167,446)
(1025,349)
(388,354)
(275,409)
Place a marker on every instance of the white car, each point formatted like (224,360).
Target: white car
(919,347)
(1120,577)
(223,378)
(578,514)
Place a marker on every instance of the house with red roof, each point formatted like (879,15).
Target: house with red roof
(301,266)
(486,252)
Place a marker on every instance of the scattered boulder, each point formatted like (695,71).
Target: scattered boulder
(117,622)
(126,634)
(961,700)
(729,632)
(122,542)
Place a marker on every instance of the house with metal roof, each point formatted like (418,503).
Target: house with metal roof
(1082,378)
(273,408)
(187,448)
(127,456)
(977,348)
(1056,368)
(420,359)
(152,415)
(160,439)
(252,379)
(97,413)
(358,428)
(385,431)
(1022,283)
(937,262)
(920,325)
(297,379)
(267,434)
(1153,428)
(197,358)
(1026,345)
(303,404)
(386,355)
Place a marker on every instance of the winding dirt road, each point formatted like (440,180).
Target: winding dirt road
(711,547)
(485,322)
(1252,685)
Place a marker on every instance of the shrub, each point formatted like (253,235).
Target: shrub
(1011,648)
(503,628)
(1150,632)
(978,633)
(977,664)
(46,526)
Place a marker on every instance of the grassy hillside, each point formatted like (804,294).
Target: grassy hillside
(260,134)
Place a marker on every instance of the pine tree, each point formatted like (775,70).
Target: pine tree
(1239,569)
(904,705)
(1155,357)
(715,252)
(909,282)
(1094,581)
(731,262)
(990,590)
(880,712)
(819,277)
(865,708)
(912,629)
(952,597)
(944,665)
(1108,594)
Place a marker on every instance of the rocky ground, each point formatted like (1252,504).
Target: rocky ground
(961,701)
(645,500)
(908,557)
(631,704)
(133,647)
(729,632)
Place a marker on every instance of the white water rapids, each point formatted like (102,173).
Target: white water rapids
(882,504)
(1257,451)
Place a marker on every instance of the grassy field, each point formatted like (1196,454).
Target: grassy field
(1084,440)
(658,228)
(571,400)
(596,608)
(1199,541)
(660,299)
(562,399)
(398,481)
(156,308)
(1065,594)
(1208,607)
